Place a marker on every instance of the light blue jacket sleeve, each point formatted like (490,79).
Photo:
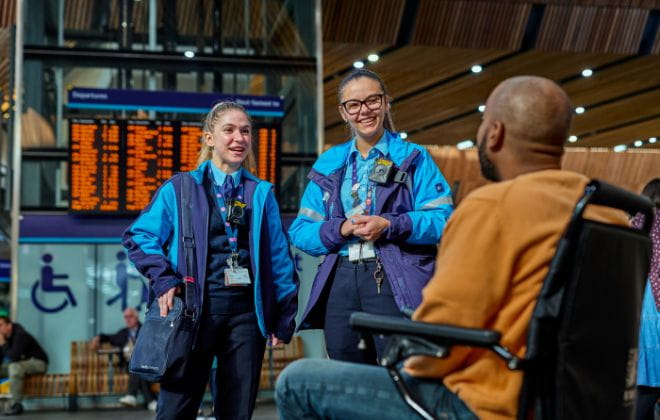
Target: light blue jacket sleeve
(432,203)
(310,231)
(146,238)
(283,272)
(281,263)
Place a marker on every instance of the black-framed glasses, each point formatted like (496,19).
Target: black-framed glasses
(372,102)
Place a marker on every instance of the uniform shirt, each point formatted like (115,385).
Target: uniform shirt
(219,176)
(221,299)
(364,166)
(494,256)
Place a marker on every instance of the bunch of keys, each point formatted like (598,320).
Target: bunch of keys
(379,274)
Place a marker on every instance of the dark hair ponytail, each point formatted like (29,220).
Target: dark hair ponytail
(358,74)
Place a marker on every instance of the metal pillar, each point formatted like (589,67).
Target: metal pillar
(16,156)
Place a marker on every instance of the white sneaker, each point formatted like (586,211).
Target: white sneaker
(128,400)
(152,406)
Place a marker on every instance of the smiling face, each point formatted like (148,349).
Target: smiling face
(230,139)
(364,106)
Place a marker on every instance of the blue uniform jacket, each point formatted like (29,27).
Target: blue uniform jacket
(417,209)
(154,244)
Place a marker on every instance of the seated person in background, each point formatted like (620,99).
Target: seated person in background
(21,355)
(124,339)
(494,256)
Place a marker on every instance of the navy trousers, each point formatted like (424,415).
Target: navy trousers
(353,289)
(237,342)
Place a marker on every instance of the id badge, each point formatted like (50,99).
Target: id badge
(237,277)
(361,251)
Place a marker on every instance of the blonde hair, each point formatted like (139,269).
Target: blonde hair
(209,121)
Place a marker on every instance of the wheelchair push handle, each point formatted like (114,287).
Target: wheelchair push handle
(602,193)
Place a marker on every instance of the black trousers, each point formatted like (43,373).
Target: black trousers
(354,289)
(239,346)
(647,398)
(135,384)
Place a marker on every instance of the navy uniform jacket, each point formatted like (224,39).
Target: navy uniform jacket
(154,243)
(417,210)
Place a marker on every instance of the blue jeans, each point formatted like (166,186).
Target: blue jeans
(330,389)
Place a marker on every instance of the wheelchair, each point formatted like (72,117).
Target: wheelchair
(581,358)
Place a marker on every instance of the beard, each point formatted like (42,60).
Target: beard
(488,169)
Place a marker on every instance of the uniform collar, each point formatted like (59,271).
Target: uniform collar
(219,176)
(382,146)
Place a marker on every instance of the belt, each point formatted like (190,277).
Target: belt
(344,258)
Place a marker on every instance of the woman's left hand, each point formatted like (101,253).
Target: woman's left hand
(274,341)
(369,227)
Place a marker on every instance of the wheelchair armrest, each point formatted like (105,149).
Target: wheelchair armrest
(437,333)
(423,338)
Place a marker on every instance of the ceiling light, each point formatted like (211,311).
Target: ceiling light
(579,110)
(481,108)
(403,135)
(465,144)
(358,64)
(373,57)
(573,139)
(620,148)
(652,140)
(476,69)
(189,54)
(587,72)
(638,143)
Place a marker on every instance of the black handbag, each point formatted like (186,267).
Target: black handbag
(163,344)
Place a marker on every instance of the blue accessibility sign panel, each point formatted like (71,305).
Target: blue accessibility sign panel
(46,285)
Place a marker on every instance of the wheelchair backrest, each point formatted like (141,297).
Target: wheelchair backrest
(583,336)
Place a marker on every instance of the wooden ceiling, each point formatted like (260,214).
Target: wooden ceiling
(425,61)
(427,47)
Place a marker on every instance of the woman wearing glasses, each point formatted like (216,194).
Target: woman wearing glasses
(375,207)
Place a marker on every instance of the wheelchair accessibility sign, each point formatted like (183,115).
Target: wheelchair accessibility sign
(46,286)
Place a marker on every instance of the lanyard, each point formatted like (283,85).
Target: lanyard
(355,186)
(223,202)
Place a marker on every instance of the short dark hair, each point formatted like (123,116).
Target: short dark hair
(652,191)
(5,318)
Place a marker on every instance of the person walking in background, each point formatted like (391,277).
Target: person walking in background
(648,372)
(246,287)
(21,355)
(376,207)
(124,340)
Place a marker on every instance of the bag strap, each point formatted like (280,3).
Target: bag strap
(409,160)
(188,244)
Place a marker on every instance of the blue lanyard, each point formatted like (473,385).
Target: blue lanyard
(232,231)
(355,186)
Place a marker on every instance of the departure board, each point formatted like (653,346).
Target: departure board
(267,147)
(115,166)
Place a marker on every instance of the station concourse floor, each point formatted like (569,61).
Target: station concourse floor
(264,411)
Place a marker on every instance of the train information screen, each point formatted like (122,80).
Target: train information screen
(115,166)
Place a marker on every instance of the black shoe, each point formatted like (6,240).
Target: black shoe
(14,410)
